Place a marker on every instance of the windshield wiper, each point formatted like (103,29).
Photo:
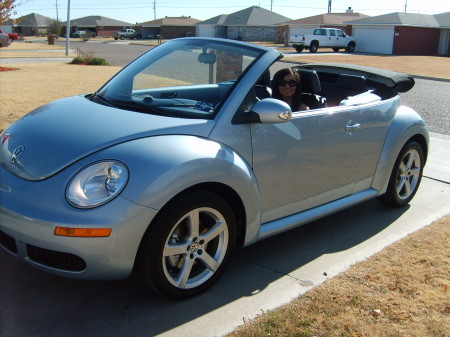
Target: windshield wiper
(103,100)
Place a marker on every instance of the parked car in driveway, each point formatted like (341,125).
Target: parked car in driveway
(323,38)
(184,155)
(11,36)
(82,33)
(126,34)
(4,40)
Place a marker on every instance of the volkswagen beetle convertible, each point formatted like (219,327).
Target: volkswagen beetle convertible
(184,155)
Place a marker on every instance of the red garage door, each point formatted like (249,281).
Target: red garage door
(416,41)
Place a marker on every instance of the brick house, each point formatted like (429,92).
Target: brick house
(250,24)
(169,27)
(403,34)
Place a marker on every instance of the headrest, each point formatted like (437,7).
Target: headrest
(264,79)
(310,81)
(352,82)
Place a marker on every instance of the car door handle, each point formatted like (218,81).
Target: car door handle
(352,126)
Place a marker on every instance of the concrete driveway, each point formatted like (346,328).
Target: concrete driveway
(261,277)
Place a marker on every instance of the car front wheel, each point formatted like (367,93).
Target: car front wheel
(187,247)
(314,46)
(351,47)
(406,176)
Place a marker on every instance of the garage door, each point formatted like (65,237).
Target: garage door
(374,40)
(205,31)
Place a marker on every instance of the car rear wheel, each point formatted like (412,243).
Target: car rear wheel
(314,46)
(188,246)
(405,177)
(299,49)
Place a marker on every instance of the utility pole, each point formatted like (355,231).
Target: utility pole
(68,28)
(329,6)
(57,16)
(406,4)
(271,5)
(154,9)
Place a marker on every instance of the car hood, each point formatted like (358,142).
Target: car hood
(62,132)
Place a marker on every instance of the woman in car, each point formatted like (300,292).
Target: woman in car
(286,86)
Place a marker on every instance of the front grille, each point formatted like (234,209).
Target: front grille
(54,259)
(8,242)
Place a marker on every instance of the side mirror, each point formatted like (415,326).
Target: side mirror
(271,110)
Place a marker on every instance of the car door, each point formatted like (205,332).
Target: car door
(306,162)
(341,38)
(332,38)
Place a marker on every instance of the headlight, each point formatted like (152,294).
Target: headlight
(97,184)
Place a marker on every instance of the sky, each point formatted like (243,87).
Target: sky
(134,11)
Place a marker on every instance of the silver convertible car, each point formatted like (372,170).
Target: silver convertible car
(184,155)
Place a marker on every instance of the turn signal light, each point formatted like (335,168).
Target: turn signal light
(83,232)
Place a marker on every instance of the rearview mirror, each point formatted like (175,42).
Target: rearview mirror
(208,58)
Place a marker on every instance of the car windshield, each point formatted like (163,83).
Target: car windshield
(184,78)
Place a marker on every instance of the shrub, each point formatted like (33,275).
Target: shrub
(98,61)
(89,59)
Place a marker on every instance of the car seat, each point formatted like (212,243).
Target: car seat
(310,85)
(262,86)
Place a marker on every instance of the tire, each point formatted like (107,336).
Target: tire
(405,177)
(299,49)
(11,40)
(116,38)
(122,37)
(351,47)
(335,50)
(313,47)
(188,245)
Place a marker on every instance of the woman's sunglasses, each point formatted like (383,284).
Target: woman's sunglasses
(291,83)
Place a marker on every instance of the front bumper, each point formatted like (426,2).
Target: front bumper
(30,211)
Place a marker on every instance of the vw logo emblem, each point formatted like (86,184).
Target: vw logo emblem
(17,153)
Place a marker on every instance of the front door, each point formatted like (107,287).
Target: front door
(306,162)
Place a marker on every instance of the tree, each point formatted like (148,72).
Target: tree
(7,10)
(55,27)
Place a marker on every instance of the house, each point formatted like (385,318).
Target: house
(32,25)
(250,24)
(307,25)
(99,26)
(169,27)
(403,34)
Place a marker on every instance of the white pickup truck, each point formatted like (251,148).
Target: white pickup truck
(323,38)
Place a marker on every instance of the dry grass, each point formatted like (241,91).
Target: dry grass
(433,66)
(36,84)
(401,291)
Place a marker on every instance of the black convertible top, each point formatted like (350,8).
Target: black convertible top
(395,81)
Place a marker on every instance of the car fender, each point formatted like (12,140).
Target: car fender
(407,124)
(162,167)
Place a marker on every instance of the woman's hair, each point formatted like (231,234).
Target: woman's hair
(279,75)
